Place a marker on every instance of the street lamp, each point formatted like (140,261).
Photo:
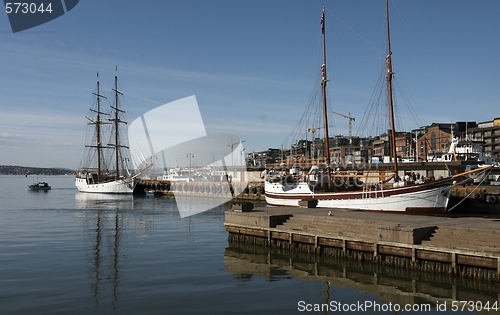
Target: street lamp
(190,155)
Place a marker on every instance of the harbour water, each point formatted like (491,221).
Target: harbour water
(64,252)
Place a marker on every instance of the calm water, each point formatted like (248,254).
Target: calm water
(62,252)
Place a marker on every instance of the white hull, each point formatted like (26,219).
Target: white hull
(122,186)
(429,198)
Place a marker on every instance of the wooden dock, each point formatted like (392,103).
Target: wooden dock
(468,247)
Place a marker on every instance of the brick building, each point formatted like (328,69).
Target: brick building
(437,139)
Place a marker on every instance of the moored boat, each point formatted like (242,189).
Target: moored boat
(105,169)
(318,183)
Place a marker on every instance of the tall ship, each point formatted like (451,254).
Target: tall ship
(318,181)
(104,169)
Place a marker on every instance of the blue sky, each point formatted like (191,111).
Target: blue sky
(251,64)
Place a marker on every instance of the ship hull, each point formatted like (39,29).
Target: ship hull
(122,186)
(430,198)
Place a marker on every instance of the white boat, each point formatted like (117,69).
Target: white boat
(468,149)
(105,169)
(318,183)
(428,198)
(120,186)
(177,175)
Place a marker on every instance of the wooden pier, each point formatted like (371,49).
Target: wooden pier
(467,247)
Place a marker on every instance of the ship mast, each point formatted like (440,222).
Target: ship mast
(323,90)
(389,76)
(98,122)
(116,120)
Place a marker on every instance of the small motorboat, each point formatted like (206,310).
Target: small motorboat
(39,186)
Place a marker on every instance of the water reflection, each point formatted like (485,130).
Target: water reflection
(390,284)
(104,218)
(103,235)
(116,227)
(103,201)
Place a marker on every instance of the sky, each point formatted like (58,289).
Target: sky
(252,66)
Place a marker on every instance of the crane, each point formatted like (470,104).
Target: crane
(351,119)
(232,148)
(313,130)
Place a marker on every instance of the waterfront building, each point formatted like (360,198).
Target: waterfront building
(437,139)
(489,133)
(417,145)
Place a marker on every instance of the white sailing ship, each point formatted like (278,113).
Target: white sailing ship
(105,169)
(291,183)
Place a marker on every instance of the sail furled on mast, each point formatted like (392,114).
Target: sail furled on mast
(390,75)
(118,142)
(96,148)
(322,22)
(105,170)
(308,139)
(104,141)
(325,107)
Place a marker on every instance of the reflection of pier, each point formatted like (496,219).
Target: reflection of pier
(391,284)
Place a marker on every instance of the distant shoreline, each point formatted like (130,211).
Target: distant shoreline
(27,170)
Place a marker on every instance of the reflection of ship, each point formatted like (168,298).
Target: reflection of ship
(105,257)
(396,285)
(103,201)
(103,172)
(102,216)
(315,181)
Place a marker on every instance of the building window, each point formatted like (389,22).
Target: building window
(433,141)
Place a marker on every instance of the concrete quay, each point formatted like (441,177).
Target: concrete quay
(463,199)
(467,247)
